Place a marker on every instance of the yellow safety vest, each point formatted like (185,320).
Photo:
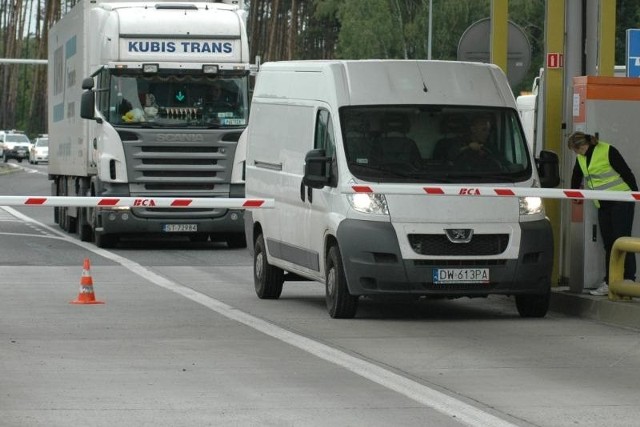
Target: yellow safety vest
(599,175)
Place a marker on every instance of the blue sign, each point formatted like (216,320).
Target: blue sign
(633,53)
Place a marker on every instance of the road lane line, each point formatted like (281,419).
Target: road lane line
(439,401)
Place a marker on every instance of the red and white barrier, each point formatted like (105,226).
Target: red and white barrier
(390,189)
(487,191)
(136,202)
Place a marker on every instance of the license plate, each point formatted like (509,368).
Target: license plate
(233,122)
(460,275)
(177,228)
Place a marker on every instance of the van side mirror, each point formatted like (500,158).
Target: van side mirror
(548,169)
(316,169)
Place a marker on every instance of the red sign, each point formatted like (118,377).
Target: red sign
(555,60)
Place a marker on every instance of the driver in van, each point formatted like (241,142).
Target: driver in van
(473,151)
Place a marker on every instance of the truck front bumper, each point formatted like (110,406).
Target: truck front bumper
(124,221)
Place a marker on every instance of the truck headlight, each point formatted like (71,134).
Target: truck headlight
(531,205)
(369,203)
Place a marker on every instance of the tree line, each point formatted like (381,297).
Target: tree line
(287,30)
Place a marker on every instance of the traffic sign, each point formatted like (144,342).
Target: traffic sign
(633,52)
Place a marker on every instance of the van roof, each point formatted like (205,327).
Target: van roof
(376,82)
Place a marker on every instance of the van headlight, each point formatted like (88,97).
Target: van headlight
(531,206)
(369,203)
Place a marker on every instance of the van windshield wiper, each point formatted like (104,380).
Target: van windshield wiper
(383,170)
(486,177)
(422,176)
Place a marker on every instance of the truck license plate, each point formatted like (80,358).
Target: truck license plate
(460,275)
(177,228)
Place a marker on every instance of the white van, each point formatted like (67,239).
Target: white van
(317,128)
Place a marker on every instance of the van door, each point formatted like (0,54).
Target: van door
(321,202)
(303,229)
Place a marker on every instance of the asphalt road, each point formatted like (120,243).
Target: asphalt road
(182,340)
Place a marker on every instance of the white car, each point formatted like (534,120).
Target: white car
(39,151)
(14,145)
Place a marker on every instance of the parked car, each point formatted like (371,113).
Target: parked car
(14,145)
(39,150)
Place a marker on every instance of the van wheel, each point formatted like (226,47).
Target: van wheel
(533,305)
(340,303)
(267,279)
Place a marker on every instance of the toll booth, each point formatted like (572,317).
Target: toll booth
(610,108)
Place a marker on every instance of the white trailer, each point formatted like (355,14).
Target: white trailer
(147,124)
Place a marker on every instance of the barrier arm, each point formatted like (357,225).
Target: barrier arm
(153,202)
(490,191)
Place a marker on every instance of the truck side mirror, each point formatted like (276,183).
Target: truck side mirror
(548,169)
(87,83)
(316,169)
(88,105)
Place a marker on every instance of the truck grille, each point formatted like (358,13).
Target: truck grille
(439,244)
(187,163)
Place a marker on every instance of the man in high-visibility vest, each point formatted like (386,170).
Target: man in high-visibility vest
(601,167)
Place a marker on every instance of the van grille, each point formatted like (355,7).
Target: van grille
(439,244)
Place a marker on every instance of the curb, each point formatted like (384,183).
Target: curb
(625,314)
(5,169)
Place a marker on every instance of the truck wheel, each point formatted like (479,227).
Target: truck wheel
(70,223)
(85,231)
(63,218)
(236,241)
(267,279)
(340,303)
(533,305)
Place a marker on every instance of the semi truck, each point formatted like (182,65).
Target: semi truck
(148,99)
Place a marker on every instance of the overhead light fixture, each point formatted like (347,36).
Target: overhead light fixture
(210,69)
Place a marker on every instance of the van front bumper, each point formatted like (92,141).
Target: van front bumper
(373,264)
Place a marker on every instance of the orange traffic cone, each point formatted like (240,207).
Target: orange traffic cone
(86,296)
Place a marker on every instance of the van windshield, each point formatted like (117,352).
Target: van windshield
(435,144)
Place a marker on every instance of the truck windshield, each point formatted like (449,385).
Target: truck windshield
(177,100)
(435,144)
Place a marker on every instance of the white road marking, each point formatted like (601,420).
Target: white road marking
(441,402)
